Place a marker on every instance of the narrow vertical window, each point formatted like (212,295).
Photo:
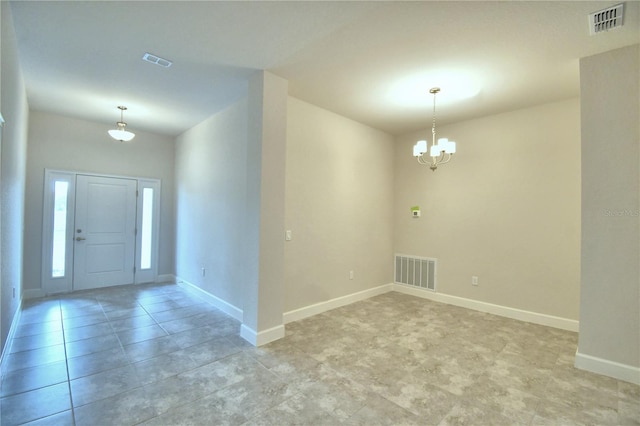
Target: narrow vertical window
(59,253)
(147,222)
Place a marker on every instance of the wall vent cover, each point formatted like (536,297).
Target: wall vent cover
(607,19)
(416,271)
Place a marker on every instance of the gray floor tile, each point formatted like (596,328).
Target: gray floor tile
(132,322)
(35,404)
(140,334)
(210,351)
(34,378)
(163,366)
(34,358)
(91,345)
(298,410)
(38,328)
(64,418)
(87,332)
(184,312)
(125,313)
(127,408)
(390,360)
(69,312)
(159,306)
(37,341)
(152,348)
(96,362)
(205,411)
(84,320)
(103,385)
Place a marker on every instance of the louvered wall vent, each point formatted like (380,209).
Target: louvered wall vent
(607,19)
(416,271)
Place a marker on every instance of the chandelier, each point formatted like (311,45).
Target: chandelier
(120,134)
(440,152)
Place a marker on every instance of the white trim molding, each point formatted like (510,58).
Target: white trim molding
(166,278)
(9,342)
(33,293)
(223,305)
(625,372)
(503,311)
(263,337)
(318,308)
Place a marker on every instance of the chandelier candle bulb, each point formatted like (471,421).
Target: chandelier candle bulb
(419,148)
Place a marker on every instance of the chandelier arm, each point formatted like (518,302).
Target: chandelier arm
(447,160)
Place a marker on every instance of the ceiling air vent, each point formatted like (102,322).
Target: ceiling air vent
(156,60)
(607,19)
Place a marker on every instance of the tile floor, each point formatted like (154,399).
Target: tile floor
(156,355)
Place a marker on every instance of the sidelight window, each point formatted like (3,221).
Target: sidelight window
(58,253)
(147,228)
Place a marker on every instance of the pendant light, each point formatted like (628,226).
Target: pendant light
(120,134)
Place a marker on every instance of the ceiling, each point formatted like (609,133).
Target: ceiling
(371,61)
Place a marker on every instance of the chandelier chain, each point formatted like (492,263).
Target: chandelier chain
(433,126)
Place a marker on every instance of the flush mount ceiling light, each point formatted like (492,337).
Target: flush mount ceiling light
(120,134)
(440,152)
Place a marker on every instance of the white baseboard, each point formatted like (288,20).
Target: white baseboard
(628,373)
(503,311)
(166,278)
(33,293)
(12,331)
(318,308)
(262,337)
(223,305)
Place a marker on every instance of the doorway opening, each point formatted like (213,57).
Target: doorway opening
(98,231)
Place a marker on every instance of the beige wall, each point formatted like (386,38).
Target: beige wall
(610,300)
(13,154)
(64,143)
(210,179)
(505,209)
(339,206)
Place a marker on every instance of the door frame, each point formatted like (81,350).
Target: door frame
(62,284)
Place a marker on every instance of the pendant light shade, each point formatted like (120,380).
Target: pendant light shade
(121,134)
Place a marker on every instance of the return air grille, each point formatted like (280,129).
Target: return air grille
(416,271)
(607,19)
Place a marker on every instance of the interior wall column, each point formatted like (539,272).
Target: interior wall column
(609,341)
(265,209)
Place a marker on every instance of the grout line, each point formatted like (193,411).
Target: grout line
(66,362)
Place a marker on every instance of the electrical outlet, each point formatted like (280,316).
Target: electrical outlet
(204,272)
(474,280)
(350,275)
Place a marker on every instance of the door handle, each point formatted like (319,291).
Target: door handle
(80,238)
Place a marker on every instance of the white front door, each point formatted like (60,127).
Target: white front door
(104,236)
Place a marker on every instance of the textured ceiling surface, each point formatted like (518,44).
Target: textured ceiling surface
(373,62)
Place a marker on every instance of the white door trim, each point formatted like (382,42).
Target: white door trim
(63,284)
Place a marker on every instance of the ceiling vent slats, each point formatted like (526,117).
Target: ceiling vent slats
(156,60)
(607,19)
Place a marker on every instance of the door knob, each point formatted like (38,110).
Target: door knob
(80,238)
